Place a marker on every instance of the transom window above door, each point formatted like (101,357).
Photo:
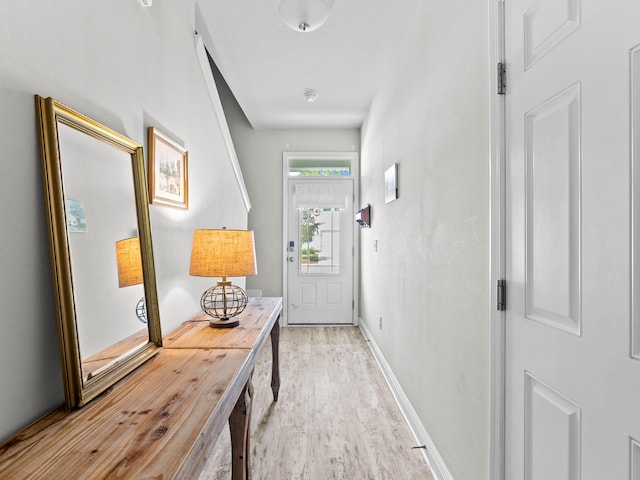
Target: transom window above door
(319,167)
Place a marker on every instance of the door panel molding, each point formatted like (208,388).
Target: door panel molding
(635,459)
(547,24)
(634,68)
(552,431)
(308,294)
(553,206)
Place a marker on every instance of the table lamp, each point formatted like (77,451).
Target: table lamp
(129,263)
(223,253)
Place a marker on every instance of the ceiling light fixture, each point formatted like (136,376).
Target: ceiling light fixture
(305,15)
(311,96)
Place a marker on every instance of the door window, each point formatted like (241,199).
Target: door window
(319,240)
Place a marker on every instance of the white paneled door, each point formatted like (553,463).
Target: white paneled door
(320,250)
(572,363)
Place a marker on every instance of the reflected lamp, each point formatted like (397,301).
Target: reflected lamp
(129,263)
(223,253)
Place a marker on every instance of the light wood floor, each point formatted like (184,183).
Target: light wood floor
(335,417)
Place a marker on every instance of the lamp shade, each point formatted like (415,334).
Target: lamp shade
(305,15)
(222,253)
(129,262)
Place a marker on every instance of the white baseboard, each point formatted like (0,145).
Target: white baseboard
(422,437)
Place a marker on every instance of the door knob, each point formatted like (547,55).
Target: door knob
(292,259)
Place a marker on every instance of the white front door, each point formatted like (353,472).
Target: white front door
(320,227)
(572,381)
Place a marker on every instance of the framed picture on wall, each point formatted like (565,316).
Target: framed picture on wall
(168,171)
(391,183)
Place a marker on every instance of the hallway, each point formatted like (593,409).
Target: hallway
(335,419)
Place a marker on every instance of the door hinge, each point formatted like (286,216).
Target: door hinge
(502,79)
(501,292)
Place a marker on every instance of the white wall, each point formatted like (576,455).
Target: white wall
(129,68)
(260,156)
(429,279)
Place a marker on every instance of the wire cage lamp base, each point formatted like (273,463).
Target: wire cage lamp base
(223,302)
(141,310)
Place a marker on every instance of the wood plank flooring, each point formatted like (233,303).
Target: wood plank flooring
(335,418)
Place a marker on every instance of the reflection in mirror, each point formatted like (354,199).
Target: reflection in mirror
(130,270)
(110,348)
(100,207)
(100,243)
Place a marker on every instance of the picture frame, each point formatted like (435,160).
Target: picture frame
(168,171)
(391,183)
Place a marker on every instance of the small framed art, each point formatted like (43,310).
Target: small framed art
(391,183)
(168,171)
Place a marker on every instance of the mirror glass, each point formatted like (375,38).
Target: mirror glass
(101,250)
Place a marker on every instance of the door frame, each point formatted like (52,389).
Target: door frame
(497,241)
(355,172)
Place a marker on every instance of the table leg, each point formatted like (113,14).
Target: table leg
(239,423)
(247,443)
(275,363)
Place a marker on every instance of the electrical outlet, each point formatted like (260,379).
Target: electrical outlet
(380,321)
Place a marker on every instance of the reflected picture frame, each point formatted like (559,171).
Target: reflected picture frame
(168,171)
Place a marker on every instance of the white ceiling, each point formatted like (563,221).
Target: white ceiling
(269,67)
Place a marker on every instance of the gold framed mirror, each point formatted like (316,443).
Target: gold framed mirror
(101,252)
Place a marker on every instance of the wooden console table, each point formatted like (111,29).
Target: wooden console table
(161,421)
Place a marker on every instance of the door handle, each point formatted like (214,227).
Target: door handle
(292,259)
